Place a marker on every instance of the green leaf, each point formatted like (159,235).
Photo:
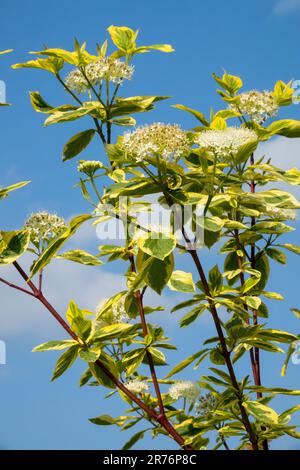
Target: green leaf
(65,116)
(80,256)
(261,412)
(273,390)
(7,51)
(38,103)
(186,362)
(277,335)
(119,330)
(58,242)
(158,357)
(296,312)
(51,64)
(101,376)
(132,360)
(89,355)
(272,227)
(133,440)
(54,345)
(67,56)
(292,248)
(252,301)
(86,376)
(79,324)
(277,255)
(262,265)
(212,224)
(154,47)
(157,245)
(13,245)
(191,316)
(215,278)
(245,151)
(77,144)
(4,191)
(285,127)
(198,115)
(103,420)
(230,83)
(65,361)
(123,38)
(155,272)
(181,281)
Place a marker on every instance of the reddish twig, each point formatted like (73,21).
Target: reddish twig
(160,418)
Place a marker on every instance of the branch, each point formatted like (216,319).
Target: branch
(139,300)
(161,419)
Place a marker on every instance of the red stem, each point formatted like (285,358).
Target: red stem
(161,419)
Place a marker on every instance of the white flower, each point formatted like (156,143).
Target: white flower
(278,213)
(137,386)
(43,226)
(258,105)
(115,314)
(119,313)
(105,68)
(225,143)
(184,389)
(168,141)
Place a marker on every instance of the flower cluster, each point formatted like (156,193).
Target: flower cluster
(105,68)
(184,389)
(205,404)
(43,226)
(258,105)
(168,141)
(137,386)
(225,143)
(117,313)
(89,167)
(280,214)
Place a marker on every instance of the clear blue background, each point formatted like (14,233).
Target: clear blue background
(257,40)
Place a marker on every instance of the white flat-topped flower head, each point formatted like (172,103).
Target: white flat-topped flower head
(225,143)
(137,386)
(44,226)
(105,68)
(258,105)
(168,141)
(184,389)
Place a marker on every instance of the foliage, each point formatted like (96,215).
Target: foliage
(245,217)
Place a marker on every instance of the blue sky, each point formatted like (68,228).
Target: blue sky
(257,40)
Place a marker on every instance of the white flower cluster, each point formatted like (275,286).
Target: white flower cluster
(137,386)
(89,167)
(184,389)
(258,105)
(118,313)
(225,143)
(280,214)
(168,141)
(43,226)
(105,68)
